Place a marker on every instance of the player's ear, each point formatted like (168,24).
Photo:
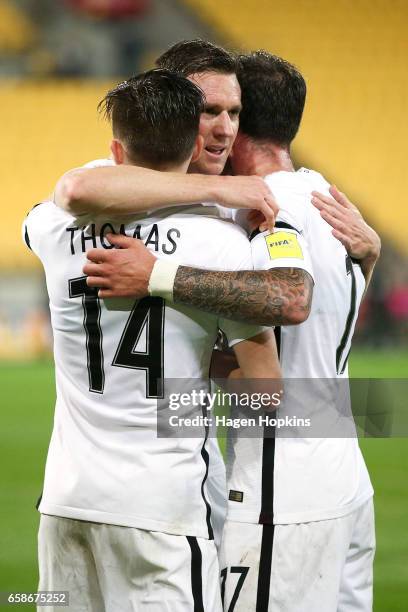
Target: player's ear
(198,148)
(118,152)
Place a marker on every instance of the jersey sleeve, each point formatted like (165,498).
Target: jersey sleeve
(287,246)
(32,229)
(37,228)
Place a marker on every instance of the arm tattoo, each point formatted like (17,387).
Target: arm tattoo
(281,296)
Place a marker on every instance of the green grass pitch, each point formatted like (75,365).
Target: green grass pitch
(27,407)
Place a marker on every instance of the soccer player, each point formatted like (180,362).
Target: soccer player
(128,189)
(125,188)
(300,529)
(125,515)
(309,536)
(278,299)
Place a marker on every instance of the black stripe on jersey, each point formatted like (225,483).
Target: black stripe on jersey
(196,574)
(37,505)
(35,206)
(278,338)
(278,225)
(27,239)
(265,568)
(350,318)
(206,458)
(345,361)
(268,474)
(268,462)
(254,234)
(284,225)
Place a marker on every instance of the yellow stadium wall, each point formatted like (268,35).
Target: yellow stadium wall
(354,56)
(47,129)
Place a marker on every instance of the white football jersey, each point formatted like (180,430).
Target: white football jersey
(105,462)
(298,479)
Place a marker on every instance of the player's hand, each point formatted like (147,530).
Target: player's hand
(249,192)
(359,239)
(255,220)
(121,272)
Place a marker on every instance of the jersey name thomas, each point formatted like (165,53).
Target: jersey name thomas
(105,462)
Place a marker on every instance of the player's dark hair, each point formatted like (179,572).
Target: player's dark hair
(273,97)
(156,115)
(195,56)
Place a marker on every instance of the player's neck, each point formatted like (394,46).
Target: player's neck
(268,158)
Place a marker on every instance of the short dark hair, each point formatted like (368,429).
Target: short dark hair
(195,56)
(273,97)
(156,115)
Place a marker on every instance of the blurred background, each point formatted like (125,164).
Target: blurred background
(58,57)
(57,60)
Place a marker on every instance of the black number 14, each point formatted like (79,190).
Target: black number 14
(147,313)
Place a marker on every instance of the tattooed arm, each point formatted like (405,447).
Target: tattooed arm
(281,296)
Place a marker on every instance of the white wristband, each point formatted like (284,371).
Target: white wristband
(162,278)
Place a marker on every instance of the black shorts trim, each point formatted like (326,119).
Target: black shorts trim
(196,574)
(265,569)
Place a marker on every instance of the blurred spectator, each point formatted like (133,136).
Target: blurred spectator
(396,303)
(118,22)
(90,38)
(111,9)
(74,38)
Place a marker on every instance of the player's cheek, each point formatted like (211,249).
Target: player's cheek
(204,129)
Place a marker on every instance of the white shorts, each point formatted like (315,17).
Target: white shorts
(122,569)
(307,567)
